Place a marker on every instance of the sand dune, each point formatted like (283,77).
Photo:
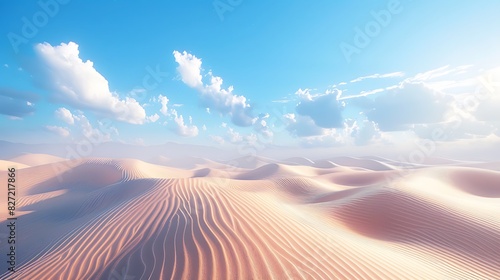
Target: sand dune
(36,159)
(275,170)
(249,162)
(5,164)
(298,161)
(104,218)
(364,163)
(184,162)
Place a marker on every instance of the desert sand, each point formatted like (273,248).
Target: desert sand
(339,218)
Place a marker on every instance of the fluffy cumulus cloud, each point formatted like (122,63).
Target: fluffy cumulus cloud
(212,94)
(317,120)
(324,109)
(474,113)
(99,134)
(164,102)
(77,83)
(262,127)
(82,128)
(234,136)
(365,132)
(189,68)
(16,103)
(300,126)
(352,133)
(153,118)
(184,129)
(444,104)
(65,115)
(406,105)
(485,101)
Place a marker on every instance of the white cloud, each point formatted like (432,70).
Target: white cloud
(189,68)
(233,136)
(77,83)
(446,78)
(153,118)
(302,126)
(61,131)
(164,102)
(183,129)
(212,95)
(486,97)
(324,109)
(366,93)
(379,76)
(439,73)
(204,127)
(410,103)
(65,115)
(261,126)
(83,128)
(447,103)
(352,133)
(365,133)
(101,134)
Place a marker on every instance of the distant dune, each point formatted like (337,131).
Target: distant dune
(370,164)
(36,159)
(340,218)
(4,164)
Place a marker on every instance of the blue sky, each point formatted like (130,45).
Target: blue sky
(322,73)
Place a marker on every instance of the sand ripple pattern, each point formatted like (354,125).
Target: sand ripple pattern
(127,219)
